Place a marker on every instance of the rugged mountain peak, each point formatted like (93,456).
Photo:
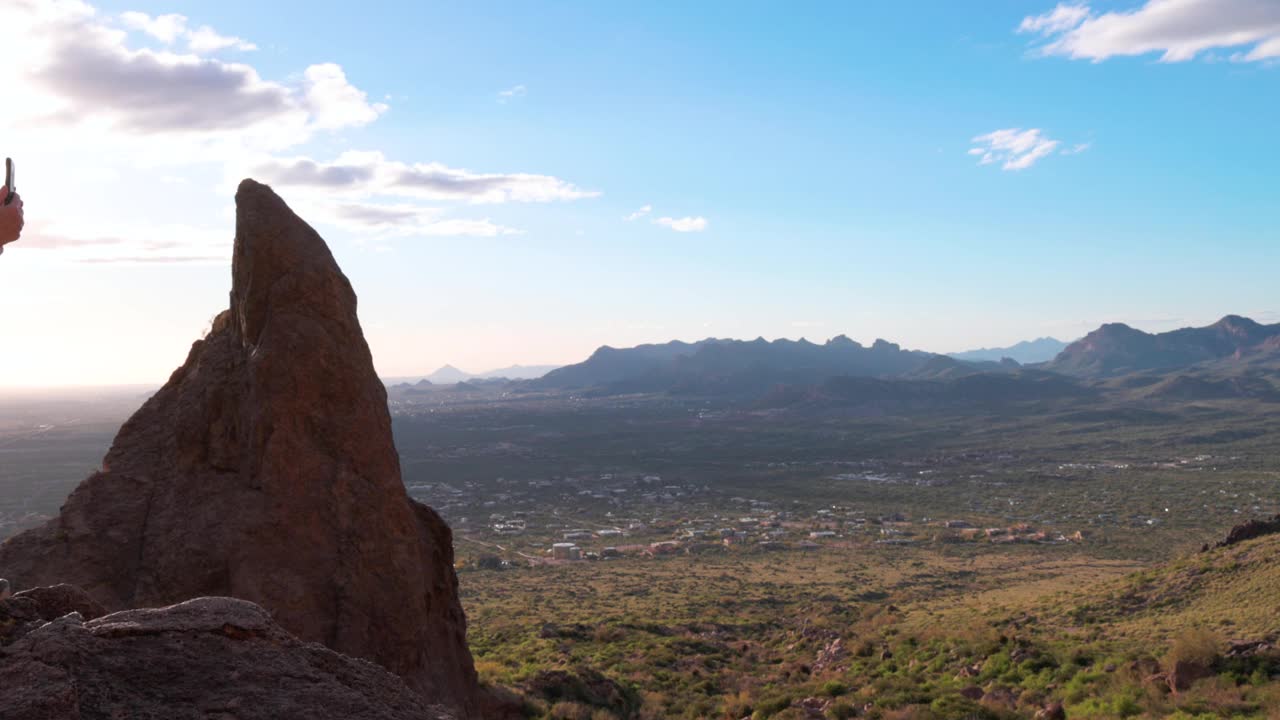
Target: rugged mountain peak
(1237,321)
(1240,330)
(265,470)
(1117,348)
(1115,330)
(843,341)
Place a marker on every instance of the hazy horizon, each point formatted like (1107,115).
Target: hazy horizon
(18,390)
(943,179)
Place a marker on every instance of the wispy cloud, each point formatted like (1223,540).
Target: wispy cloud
(1177,29)
(154,259)
(1077,148)
(1060,19)
(371,173)
(84,241)
(684,224)
(644,210)
(205,39)
(405,220)
(511,93)
(1013,148)
(35,239)
(169,28)
(165,28)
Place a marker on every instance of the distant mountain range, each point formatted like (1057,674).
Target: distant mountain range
(449,375)
(1232,359)
(718,366)
(1028,351)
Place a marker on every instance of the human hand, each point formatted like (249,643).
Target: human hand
(11,220)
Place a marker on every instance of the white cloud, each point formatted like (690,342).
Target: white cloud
(168,28)
(512,92)
(684,224)
(206,40)
(644,210)
(140,96)
(371,173)
(437,181)
(401,220)
(165,28)
(305,172)
(147,92)
(1061,18)
(1015,148)
(336,103)
(1177,29)
(1077,148)
(79,71)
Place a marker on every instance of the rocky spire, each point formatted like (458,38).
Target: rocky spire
(265,470)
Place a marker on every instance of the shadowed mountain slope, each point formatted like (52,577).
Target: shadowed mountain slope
(1116,348)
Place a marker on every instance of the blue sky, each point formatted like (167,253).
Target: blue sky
(809,171)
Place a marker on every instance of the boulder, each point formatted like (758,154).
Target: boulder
(831,657)
(28,610)
(1053,711)
(1249,648)
(265,470)
(205,658)
(1248,530)
(1184,673)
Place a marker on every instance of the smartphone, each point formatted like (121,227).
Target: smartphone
(10,182)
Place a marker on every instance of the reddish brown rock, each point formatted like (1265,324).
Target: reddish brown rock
(1054,711)
(265,470)
(205,658)
(51,603)
(1248,530)
(1184,673)
(28,610)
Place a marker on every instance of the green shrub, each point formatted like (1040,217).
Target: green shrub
(958,707)
(1197,645)
(771,707)
(1121,704)
(842,711)
(834,688)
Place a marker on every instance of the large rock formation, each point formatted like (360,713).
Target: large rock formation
(1248,530)
(206,658)
(265,470)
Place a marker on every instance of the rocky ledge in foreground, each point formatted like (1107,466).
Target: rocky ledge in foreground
(211,657)
(265,470)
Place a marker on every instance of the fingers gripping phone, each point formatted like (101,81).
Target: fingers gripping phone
(10,183)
